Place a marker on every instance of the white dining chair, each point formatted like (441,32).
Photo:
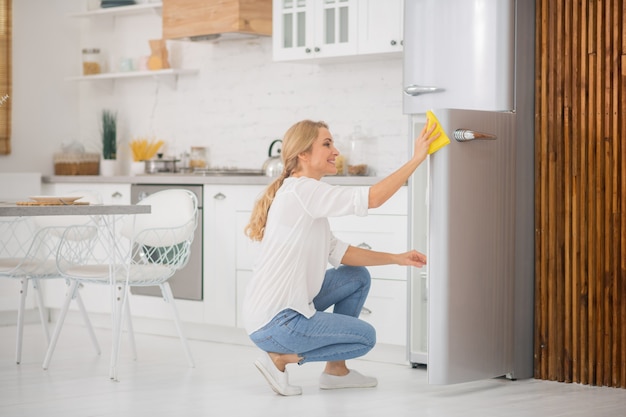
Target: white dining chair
(149,250)
(28,253)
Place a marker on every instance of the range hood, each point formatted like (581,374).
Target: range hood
(200,20)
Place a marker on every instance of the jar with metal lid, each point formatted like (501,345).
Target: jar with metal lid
(198,159)
(357,157)
(92,61)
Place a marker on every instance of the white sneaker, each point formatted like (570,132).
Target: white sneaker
(352,380)
(279,381)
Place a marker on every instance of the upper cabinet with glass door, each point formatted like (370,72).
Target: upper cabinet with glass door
(322,29)
(308,29)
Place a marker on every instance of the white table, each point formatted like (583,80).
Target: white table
(15,210)
(108,212)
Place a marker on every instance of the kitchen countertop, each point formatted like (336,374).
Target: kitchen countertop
(190,179)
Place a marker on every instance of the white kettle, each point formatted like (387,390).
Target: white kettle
(273,166)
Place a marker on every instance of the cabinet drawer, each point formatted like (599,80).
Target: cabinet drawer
(110,193)
(386,310)
(382,233)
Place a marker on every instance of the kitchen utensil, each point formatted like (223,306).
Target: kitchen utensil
(159,165)
(273,166)
(54,199)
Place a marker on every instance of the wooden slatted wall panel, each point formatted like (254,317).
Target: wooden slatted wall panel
(5,76)
(580,122)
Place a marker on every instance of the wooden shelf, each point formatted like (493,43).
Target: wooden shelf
(122,10)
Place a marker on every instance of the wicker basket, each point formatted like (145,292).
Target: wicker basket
(76,164)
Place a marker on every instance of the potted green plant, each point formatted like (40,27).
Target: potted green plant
(109,143)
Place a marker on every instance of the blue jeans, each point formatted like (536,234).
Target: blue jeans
(326,336)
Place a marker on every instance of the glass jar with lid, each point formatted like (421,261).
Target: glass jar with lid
(92,61)
(357,158)
(198,159)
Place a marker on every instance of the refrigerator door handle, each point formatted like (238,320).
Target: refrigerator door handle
(464,135)
(416,90)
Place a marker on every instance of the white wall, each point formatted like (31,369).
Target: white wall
(236,105)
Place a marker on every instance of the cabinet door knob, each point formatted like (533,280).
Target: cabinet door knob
(364,245)
(219,196)
(116,194)
(307,50)
(393,43)
(317,49)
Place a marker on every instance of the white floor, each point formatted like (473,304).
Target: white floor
(225,383)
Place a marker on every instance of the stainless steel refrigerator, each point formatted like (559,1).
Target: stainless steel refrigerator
(471,204)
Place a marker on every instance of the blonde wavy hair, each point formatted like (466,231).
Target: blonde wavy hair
(298,139)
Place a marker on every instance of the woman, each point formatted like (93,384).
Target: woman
(284,309)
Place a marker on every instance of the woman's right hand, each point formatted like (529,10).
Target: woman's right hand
(411,258)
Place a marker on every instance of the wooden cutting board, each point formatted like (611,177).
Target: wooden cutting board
(51,203)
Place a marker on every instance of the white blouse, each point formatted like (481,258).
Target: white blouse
(297,246)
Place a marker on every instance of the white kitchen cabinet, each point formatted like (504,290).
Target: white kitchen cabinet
(307,29)
(319,30)
(226,212)
(385,307)
(229,257)
(385,230)
(109,192)
(386,310)
(379,232)
(380,26)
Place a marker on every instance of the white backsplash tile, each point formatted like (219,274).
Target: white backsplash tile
(241,100)
(237,103)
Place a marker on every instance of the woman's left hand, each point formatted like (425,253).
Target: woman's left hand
(412,258)
(424,140)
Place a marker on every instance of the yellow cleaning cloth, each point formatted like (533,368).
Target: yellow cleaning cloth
(442,140)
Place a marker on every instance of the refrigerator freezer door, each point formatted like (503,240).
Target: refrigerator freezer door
(459,54)
(471,244)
